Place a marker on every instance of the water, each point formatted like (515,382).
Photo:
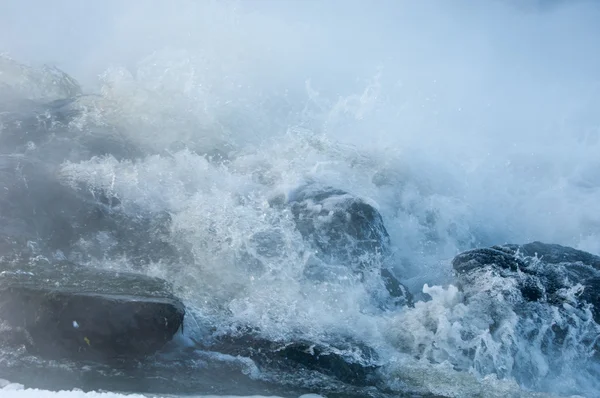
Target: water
(465,125)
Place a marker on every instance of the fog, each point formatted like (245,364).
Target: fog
(505,87)
(500,98)
(493,68)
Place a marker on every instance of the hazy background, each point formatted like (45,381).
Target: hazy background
(467,123)
(500,95)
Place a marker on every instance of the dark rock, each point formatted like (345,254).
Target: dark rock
(591,295)
(345,230)
(42,216)
(44,122)
(66,310)
(541,272)
(330,361)
(395,288)
(342,227)
(495,256)
(543,294)
(556,254)
(35,205)
(348,362)
(43,114)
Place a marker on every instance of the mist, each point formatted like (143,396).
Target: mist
(499,71)
(465,124)
(493,103)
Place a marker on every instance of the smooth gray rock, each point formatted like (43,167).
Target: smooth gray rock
(65,310)
(349,362)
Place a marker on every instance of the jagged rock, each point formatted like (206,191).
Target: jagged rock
(557,254)
(66,310)
(541,272)
(345,230)
(545,294)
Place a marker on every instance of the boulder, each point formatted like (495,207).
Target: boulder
(347,231)
(541,272)
(552,275)
(342,227)
(43,114)
(546,296)
(44,122)
(62,310)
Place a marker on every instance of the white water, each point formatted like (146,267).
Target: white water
(468,124)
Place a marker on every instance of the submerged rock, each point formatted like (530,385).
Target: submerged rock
(66,310)
(345,230)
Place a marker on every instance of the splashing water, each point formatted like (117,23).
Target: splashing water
(464,125)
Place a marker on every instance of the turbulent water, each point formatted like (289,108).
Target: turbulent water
(466,124)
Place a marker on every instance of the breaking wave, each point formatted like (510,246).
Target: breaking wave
(464,126)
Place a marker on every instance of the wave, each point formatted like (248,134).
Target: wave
(460,132)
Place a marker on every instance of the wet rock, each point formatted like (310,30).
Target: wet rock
(66,310)
(43,114)
(347,231)
(44,122)
(36,207)
(540,272)
(43,216)
(348,362)
(343,228)
(556,254)
(544,294)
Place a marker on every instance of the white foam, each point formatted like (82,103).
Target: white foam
(462,131)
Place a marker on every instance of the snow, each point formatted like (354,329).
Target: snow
(14,390)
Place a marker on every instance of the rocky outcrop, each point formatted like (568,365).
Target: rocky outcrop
(65,310)
(348,231)
(51,132)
